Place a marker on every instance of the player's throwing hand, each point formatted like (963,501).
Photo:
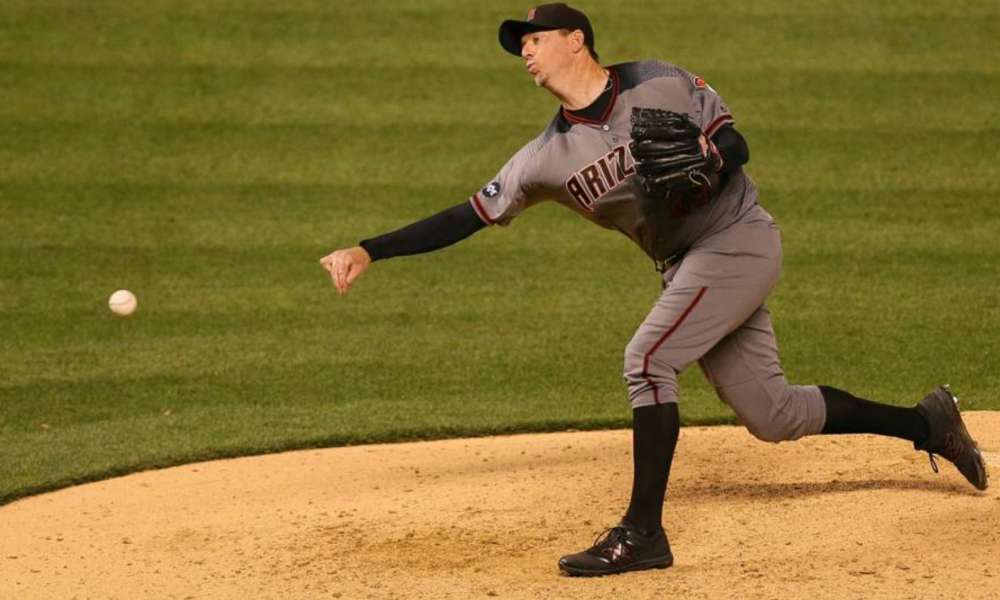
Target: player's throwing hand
(345,266)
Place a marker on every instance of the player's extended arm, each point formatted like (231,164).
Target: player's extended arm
(433,233)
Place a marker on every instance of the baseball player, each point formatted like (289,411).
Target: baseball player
(719,253)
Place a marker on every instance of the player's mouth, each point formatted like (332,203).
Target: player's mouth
(531,68)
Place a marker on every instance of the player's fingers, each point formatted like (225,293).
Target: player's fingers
(341,276)
(347,279)
(327,262)
(354,272)
(335,273)
(330,264)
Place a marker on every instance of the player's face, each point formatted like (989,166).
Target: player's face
(545,53)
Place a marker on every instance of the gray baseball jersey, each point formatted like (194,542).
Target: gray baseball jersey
(586,166)
(712,307)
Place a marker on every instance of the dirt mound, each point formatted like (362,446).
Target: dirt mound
(825,517)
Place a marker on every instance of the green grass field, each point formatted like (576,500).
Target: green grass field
(206,154)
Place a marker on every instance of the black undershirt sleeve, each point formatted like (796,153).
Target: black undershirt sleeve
(732,147)
(433,233)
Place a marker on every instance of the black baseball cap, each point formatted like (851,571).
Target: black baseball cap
(546,17)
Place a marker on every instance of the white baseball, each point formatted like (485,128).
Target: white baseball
(123,303)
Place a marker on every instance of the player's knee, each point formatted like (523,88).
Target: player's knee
(767,416)
(634,367)
(649,381)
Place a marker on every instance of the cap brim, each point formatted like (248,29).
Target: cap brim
(512,31)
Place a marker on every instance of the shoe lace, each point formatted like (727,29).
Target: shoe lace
(607,538)
(953,450)
(610,542)
(610,535)
(934,464)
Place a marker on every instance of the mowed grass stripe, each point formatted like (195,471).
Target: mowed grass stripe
(851,35)
(192,96)
(235,154)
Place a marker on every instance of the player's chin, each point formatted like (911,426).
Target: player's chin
(539,79)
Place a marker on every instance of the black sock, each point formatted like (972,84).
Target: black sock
(654,438)
(848,414)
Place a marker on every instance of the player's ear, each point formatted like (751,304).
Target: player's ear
(576,40)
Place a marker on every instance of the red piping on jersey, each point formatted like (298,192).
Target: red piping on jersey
(477,204)
(663,338)
(710,130)
(607,111)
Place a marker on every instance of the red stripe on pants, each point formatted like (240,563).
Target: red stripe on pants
(663,338)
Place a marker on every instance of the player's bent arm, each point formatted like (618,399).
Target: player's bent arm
(433,233)
(732,147)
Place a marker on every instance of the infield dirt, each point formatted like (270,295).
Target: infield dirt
(824,517)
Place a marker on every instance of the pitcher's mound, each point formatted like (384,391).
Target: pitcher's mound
(824,517)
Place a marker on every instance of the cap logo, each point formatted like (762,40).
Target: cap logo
(531,14)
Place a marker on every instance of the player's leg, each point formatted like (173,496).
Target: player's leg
(745,371)
(846,413)
(655,430)
(934,425)
(639,541)
(709,295)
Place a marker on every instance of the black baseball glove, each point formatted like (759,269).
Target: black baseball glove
(668,155)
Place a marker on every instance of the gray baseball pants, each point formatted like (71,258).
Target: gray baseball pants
(712,311)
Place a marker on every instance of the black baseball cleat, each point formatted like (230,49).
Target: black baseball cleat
(949,438)
(620,549)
